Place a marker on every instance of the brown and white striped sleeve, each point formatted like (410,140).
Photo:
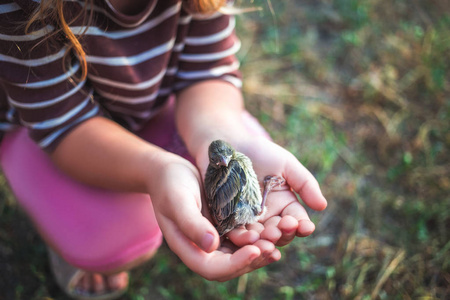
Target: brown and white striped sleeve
(37,78)
(209,51)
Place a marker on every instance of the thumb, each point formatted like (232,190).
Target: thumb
(188,221)
(304,184)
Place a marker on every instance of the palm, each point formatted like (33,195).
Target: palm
(285,217)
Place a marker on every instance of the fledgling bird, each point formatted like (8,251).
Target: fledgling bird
(232,188)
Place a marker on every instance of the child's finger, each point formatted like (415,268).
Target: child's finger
(304,184)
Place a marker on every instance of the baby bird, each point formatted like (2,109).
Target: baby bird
(232,188)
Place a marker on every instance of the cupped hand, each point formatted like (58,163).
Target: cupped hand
(285,217)
(177,200)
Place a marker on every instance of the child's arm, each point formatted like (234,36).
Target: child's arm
(99,152)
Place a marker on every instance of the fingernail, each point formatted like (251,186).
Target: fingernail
(207,242)
(271,260)
(290,231)
(253,257)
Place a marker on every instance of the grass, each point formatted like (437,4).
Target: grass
(359,92)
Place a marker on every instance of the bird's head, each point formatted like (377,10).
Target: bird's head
(220,154)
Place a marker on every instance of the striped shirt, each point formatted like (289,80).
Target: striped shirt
(134,64)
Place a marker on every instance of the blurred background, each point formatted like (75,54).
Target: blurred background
(359,91)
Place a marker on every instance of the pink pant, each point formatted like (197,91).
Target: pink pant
(91,228)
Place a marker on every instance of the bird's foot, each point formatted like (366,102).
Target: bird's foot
(273,181)
(270,182)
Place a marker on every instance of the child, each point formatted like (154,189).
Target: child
(93,131)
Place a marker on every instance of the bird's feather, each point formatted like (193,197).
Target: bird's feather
(229,193)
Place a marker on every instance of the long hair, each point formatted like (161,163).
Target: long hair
(52,11)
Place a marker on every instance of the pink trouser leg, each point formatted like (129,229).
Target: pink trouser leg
(91,228)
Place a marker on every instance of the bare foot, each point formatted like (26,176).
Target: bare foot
(99,284)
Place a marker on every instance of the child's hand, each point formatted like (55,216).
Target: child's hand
(214,109)
(284,212)
(285,217)
(176,197)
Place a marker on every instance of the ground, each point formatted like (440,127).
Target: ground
(359,92)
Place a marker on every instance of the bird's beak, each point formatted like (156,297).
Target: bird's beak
(224,161)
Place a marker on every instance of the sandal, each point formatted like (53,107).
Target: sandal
(67,276)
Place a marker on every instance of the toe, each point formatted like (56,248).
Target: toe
(97,283)
(118,281)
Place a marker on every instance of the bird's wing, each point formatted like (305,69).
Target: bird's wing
(228,195)
(252,192)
